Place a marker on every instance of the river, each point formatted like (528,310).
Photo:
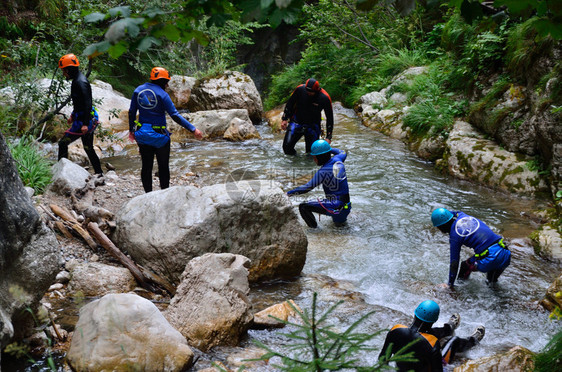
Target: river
(388,258)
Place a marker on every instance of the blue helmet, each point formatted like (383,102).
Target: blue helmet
(427,311)
(320,147)
(441,216)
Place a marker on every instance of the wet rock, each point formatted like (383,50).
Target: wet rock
(233,90)
(251,218)
(282,311)
(517,359)
(553,297)
(97,279)
(211,305)
(241,360)
(548,243)
(126,330)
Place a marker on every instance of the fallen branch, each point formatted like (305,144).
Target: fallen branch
(72,223)
(145,281)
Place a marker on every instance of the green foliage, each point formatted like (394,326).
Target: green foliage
(34,170)
(549,358)
(319,346)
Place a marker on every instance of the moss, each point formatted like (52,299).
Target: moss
(508,172)
(478,147)
(535,241)
(501,157)
(465,166)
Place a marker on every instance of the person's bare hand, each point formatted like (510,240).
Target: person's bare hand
(69,120)
(198,134)
(444,287)
(329,141)
(84,129)
(284,124)
(132,136)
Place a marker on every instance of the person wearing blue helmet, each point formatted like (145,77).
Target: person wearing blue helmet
(427,348)
(491,255)
(333,178)
(302,116)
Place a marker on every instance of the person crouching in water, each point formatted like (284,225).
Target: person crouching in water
(491,255)
(428,352)
(152,103)
(333,178)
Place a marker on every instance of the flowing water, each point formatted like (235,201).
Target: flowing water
(389,253)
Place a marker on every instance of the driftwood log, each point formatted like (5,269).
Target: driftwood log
(73,224)
(145,278)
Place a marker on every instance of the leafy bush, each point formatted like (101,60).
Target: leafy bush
(549,358)
(34,170)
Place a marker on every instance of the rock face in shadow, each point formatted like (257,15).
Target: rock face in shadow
(29,252)
(163,230)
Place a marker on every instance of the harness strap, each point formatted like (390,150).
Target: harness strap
(485,252)
(334,211)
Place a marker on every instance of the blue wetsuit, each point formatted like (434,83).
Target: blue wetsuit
(333,179)
(490,254)
(152,102)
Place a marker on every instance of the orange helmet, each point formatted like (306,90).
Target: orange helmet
(68,60)
(159,73)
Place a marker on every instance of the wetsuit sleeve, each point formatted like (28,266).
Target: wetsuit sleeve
(455,253)
(175,115)
(133,112)
(290,106)
(388,340)
(341,155)
(329,118)
(436,359)
(315,181)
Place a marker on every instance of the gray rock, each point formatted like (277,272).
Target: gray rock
(165,229)
(211,305)
(68,177)
(126,330)
(97,279)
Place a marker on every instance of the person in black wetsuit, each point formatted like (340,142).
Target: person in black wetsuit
(428,350)
(302,116)
(84,118)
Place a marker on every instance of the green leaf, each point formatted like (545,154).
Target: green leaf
(471,11)
(546,27)
(170,31)
(94,17)
(125,11)
(265,3)
(281,4)
(118,49)
(366,4)
(559,194)
(517,6)
(153,12)
(147,42)
(97,48)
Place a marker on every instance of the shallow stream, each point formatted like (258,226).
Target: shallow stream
(388,258)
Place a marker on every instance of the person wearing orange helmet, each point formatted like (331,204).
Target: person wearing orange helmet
(84,118)
(152,102)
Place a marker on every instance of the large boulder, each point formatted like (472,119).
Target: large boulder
(29,252)
(211,305)
(125,332)
(233,90)
(553,298)
(472,156)
(179,89)
(165,229)
(233,125)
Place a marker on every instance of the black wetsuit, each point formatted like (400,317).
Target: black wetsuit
(427,350)
(81,95)
(304,113)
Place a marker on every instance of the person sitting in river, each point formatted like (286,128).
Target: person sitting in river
(491,255)
(432,346)
(152,102)
(333,178)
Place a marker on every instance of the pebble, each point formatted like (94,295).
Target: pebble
(63,277)
(56,287)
